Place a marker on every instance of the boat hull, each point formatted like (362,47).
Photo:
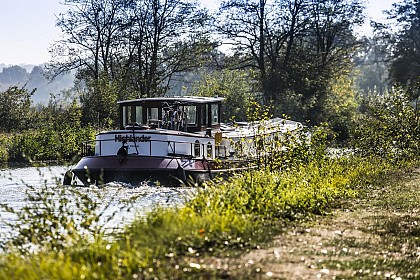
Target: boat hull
(136,169)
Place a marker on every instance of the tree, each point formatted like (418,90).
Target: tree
(341,105)
(133,47)
(389,126)
(140,43)
(91,46)
(99,103)
(321,51)
(15,104)
(258,30)
(234,86)
(164,38)
(405,66)
(373,60)
(92,33)
(331,46)
(302,46)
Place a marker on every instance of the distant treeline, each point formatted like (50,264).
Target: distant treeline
(34,79)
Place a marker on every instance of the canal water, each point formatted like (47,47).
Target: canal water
(14,182)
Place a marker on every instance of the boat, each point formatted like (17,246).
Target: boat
(172,140)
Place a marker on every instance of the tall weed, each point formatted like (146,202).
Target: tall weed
(5,140)
(285,145)
(57,218)
(266,194)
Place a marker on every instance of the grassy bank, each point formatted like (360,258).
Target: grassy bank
(374,236)
(224,219)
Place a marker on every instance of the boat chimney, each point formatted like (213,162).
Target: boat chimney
(208,131)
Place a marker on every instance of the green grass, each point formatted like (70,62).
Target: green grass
(390,237)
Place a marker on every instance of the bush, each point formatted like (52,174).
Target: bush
(293,148)
(15,113)
(389,127)
(47,144)
(5,140)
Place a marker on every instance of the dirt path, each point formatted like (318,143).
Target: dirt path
(374,237)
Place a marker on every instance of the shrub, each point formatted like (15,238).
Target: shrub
(389,127)
(46,144)
(5,140)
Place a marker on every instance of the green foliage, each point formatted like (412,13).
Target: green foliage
(389,127)
(406,54)
(15,111)
(5,140)
(54,133)
(99,103)
(234,85)
(46,144)
(292,148)
(184,232)
(340,106)
(265,194)
(59,114)
(278,148)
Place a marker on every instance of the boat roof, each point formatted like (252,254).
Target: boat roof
(180,99)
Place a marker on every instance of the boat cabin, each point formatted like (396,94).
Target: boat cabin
(189,114)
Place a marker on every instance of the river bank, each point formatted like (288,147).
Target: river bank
(374,236)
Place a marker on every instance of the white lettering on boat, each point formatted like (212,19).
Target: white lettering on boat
(131,138)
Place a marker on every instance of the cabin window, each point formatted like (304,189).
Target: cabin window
(153,115)
(191,114)
(214,114)
(209,150)
(127,116)
(203,115)
(124,116)
(197,148)
(139,114)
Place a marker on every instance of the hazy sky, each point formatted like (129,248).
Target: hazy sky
(27,27)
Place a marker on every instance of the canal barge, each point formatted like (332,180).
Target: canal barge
(171,140)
